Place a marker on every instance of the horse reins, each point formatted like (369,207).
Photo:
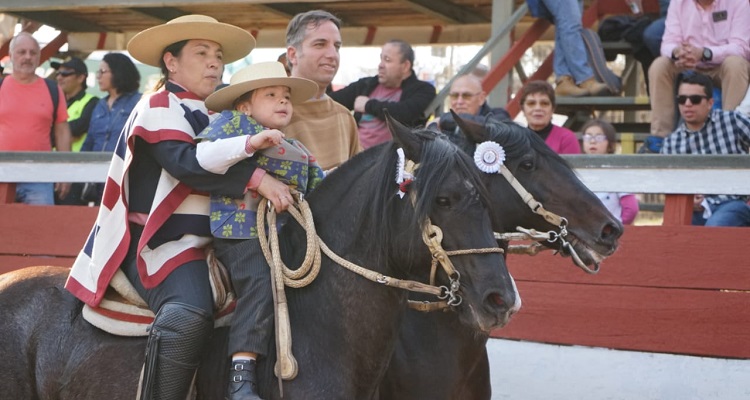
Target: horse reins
(432,236)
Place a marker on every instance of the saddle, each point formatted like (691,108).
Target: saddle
(123,312)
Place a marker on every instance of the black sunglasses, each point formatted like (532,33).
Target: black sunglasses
(694,98)
(66,73)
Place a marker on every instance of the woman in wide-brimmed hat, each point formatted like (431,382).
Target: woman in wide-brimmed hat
(153,223)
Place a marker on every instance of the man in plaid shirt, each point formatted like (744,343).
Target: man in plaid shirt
(707,131)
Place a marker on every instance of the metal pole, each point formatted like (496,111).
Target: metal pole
(440,98)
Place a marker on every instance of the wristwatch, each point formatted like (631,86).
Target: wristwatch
(707,54)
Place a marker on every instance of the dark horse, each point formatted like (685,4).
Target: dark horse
(463,371)
(344,327)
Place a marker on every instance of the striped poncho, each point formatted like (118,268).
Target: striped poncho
(169,115)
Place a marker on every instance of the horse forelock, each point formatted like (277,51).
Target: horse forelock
(515,139)
(440,158)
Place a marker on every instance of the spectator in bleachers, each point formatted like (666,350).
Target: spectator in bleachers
(599,137)
(71,77)
(708,131)
(119,78)
(469,101)
(538,105)
(653,33)
(395,88)
(572,70)
(709,36)
(27,115)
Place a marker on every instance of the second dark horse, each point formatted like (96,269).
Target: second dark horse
(435,357)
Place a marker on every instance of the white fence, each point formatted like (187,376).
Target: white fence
(671,174)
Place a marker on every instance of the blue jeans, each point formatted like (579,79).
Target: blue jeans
(663,6)
(570,52)
(652,36)
(729,213)
(35,193)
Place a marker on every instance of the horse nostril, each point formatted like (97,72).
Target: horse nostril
(611,232)
(497,299)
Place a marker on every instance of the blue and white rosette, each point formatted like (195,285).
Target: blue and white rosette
(489,157)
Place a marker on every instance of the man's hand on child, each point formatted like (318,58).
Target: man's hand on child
(275,191)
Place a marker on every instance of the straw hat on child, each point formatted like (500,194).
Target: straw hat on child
(257,76)
(148,45)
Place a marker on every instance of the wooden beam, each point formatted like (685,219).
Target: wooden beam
(673,289)
(449,12)
(7,193)
(163,13)
(501,69)
(45,230)
(288,10)
(53,47)
(678,209)
(60,22)
(544,71)
(12,6)
(29,27)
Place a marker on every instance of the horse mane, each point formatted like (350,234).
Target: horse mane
(383,219)
(515,139)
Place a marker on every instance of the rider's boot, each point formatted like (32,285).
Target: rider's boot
(242,381)
(175,342)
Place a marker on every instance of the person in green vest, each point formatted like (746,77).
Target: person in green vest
(71,77)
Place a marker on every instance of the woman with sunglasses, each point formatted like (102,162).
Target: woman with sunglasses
(599,138)
(538,105)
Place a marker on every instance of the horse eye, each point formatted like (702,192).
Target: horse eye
(443,202)
(527,165)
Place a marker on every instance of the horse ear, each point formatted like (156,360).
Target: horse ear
(473,131)
(404,137)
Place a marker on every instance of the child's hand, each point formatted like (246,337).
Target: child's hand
(267,138)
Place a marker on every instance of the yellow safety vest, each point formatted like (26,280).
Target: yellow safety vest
(74,112)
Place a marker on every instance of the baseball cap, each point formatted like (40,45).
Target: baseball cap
(75,63)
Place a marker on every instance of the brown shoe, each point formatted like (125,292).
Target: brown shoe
(594,87)
(567,87)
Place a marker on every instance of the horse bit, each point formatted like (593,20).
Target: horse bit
(489,158)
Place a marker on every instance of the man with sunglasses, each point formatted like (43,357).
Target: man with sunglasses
(707,131)
(709,36)
(469,101)
(395,88)
(71,77)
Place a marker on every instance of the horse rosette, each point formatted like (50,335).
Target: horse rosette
(403,177)
(489,157)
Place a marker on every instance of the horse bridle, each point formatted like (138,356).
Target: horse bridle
(536,207)
(282,276)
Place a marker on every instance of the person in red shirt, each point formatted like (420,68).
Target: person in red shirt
(26,115)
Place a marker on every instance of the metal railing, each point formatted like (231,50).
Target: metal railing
(638,173)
